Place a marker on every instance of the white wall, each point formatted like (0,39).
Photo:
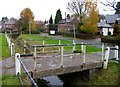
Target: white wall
(105,31)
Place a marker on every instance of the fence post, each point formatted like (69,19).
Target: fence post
(74,45)
(116,53)
(107,53)
(59,44)
(17,64)
(35,58)
(12,50)
(102,51)
(9,42)
(84,53)
(82,47)
(24,47)
(61,56)
(43,48)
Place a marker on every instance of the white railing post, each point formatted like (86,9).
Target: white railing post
(24,47)
(74,47)
(35,58)
(107,53)
(59,44)
(17,64)
(12,49)
(116,52)
(102,51)
(61,56)
(82,47)
(9,42)
(84,53)
(43,50)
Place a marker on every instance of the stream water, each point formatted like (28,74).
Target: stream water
(66,80)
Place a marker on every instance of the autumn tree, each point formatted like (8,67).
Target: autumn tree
(90,22)
(27,19)
(58,16)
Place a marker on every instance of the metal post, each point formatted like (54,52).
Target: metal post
(43,48)
(61,56)
(17,64)
(74,32)
(74,46)
(102,51)
(35,58)
(59,44)
(12,50)
(84,53)
(30,34)
(82,49)
(9,43)
(116,52)
(107,53)
(24,47)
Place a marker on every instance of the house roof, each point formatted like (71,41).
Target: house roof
(111,18)
(104,25)
(67,20)
(10,22)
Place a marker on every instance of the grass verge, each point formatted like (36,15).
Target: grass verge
(12,80)
(4,50)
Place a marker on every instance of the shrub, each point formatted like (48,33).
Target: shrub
(111,39)
(35,31)
(15,35)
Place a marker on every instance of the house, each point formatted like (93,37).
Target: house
(104,28)
(10,25)
(68,24)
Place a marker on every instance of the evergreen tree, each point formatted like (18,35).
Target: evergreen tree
(117,8)
(116,28)
(58,16)
(51,20)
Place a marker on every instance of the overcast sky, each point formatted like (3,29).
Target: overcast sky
(42,9)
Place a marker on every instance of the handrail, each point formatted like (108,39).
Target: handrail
(20,79)
(26,71)
(50,45)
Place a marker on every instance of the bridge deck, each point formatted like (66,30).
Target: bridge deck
(48,65)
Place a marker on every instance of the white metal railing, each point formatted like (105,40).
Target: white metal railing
(107,55)
(61,50)
(18,64)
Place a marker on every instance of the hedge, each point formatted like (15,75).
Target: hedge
(111,39)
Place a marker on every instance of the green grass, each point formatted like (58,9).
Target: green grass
(12,80)
(4,50)
(37,40)
(110,76)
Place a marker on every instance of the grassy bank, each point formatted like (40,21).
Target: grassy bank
(4,50)
(13,81)
(37,40)
(104,77)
